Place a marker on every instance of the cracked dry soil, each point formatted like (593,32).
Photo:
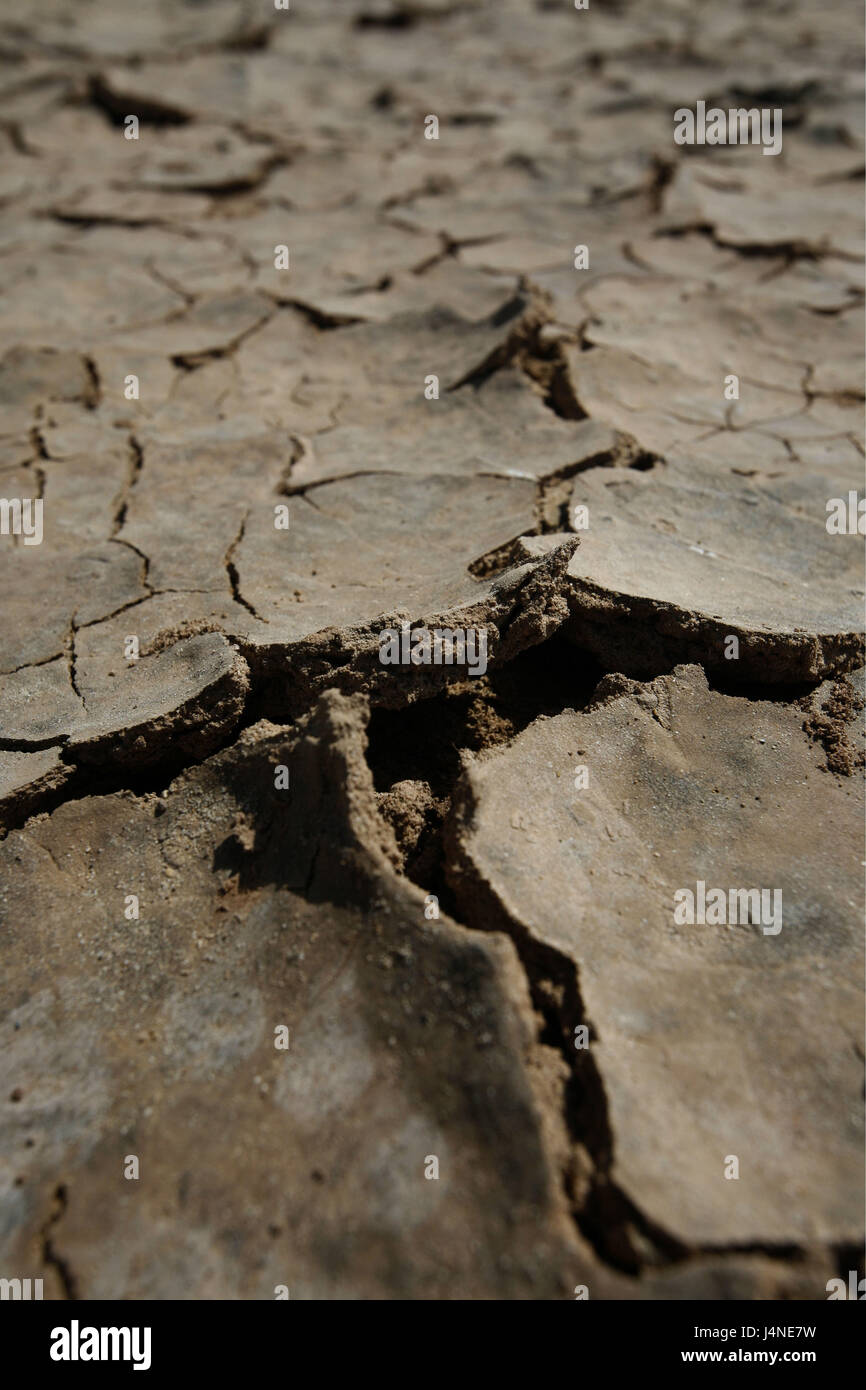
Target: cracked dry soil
(152,779)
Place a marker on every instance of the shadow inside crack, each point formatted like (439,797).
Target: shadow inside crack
(415,753)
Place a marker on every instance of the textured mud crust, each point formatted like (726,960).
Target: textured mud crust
(431,676)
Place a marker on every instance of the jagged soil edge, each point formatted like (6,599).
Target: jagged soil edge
(522,608)
(374,862)
(643,636)
(282,682)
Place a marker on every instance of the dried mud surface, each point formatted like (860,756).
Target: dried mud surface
(397,869)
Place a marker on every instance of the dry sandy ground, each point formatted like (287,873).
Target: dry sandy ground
(341,979)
